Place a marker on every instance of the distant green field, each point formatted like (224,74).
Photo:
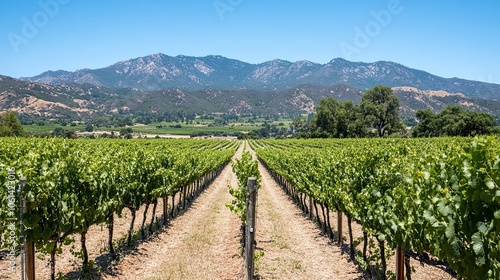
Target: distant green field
(167,128)
(37,129)
(190,129)
(196,126)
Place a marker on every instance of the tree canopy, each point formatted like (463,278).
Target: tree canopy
(379,110)
(380,106)
(10,125)
(452,121)
(339,119)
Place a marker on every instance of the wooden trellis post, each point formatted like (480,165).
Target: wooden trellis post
(399,264)
(250,228)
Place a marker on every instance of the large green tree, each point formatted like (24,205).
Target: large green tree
(299,124)
(325,118)
(452,121)
(380,106)
(339,119)
(426,126)
(10,125)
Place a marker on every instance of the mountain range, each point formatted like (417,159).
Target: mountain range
(159,84)
(159,71)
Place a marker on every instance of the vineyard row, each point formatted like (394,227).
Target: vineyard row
(429,196)
(74,184)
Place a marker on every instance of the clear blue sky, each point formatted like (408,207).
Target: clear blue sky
(446,38)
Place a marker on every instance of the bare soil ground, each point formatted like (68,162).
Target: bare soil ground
(293,246)
(203,243)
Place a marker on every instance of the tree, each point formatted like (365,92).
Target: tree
(426,124)
(453,121)
(380,106)
(339,119)
(10,125)
(299,125)
(450,121)
(126,132)
(58,132)
(89,127)
(71,134)
(325,119)
(477,123)
(357,125)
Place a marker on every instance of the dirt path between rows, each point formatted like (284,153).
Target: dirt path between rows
(293,246)
(203,243)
